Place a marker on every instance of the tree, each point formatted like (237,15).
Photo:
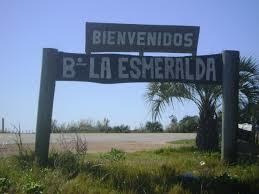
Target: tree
(54,126)
(121,129)
(188,124)
(173,126)
(154,127)
(104,126)
(249,87)
(207,98)
(173,119)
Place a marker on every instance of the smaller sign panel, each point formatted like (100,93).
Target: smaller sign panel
(112,68)
(108,37)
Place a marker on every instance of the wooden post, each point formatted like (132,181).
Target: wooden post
(45,104)
(2,125)
(230,80)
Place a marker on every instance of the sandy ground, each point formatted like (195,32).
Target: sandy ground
(96,142)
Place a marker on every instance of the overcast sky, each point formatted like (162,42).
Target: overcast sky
(28,26)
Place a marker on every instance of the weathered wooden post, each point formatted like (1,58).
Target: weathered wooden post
(2,125)
(45,104)
(230,79)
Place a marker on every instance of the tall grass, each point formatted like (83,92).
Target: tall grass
(167,170)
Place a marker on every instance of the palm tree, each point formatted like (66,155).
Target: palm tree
(207,98)
(248,93)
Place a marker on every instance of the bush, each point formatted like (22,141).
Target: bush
(72,127)
(67,162)
(188,124)
(114,155)
(154,127)
(120,129)
(31,186)
(5,184)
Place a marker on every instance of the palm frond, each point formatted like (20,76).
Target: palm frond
(160,95)
(248,81)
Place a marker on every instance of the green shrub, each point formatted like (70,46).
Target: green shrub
(67,162)
(33,188)
(5,184)
(30,185)
(114,155)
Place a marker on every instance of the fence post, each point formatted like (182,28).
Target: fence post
(45,104)
(230,84)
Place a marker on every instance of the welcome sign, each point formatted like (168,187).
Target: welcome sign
(109,37)
(116,68)
(107,68)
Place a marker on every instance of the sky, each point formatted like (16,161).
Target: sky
(26,27)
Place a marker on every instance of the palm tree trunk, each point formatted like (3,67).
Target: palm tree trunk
(207,136)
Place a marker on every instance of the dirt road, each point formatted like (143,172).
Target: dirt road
(101,142)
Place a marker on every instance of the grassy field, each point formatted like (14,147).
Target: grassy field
(166,170)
